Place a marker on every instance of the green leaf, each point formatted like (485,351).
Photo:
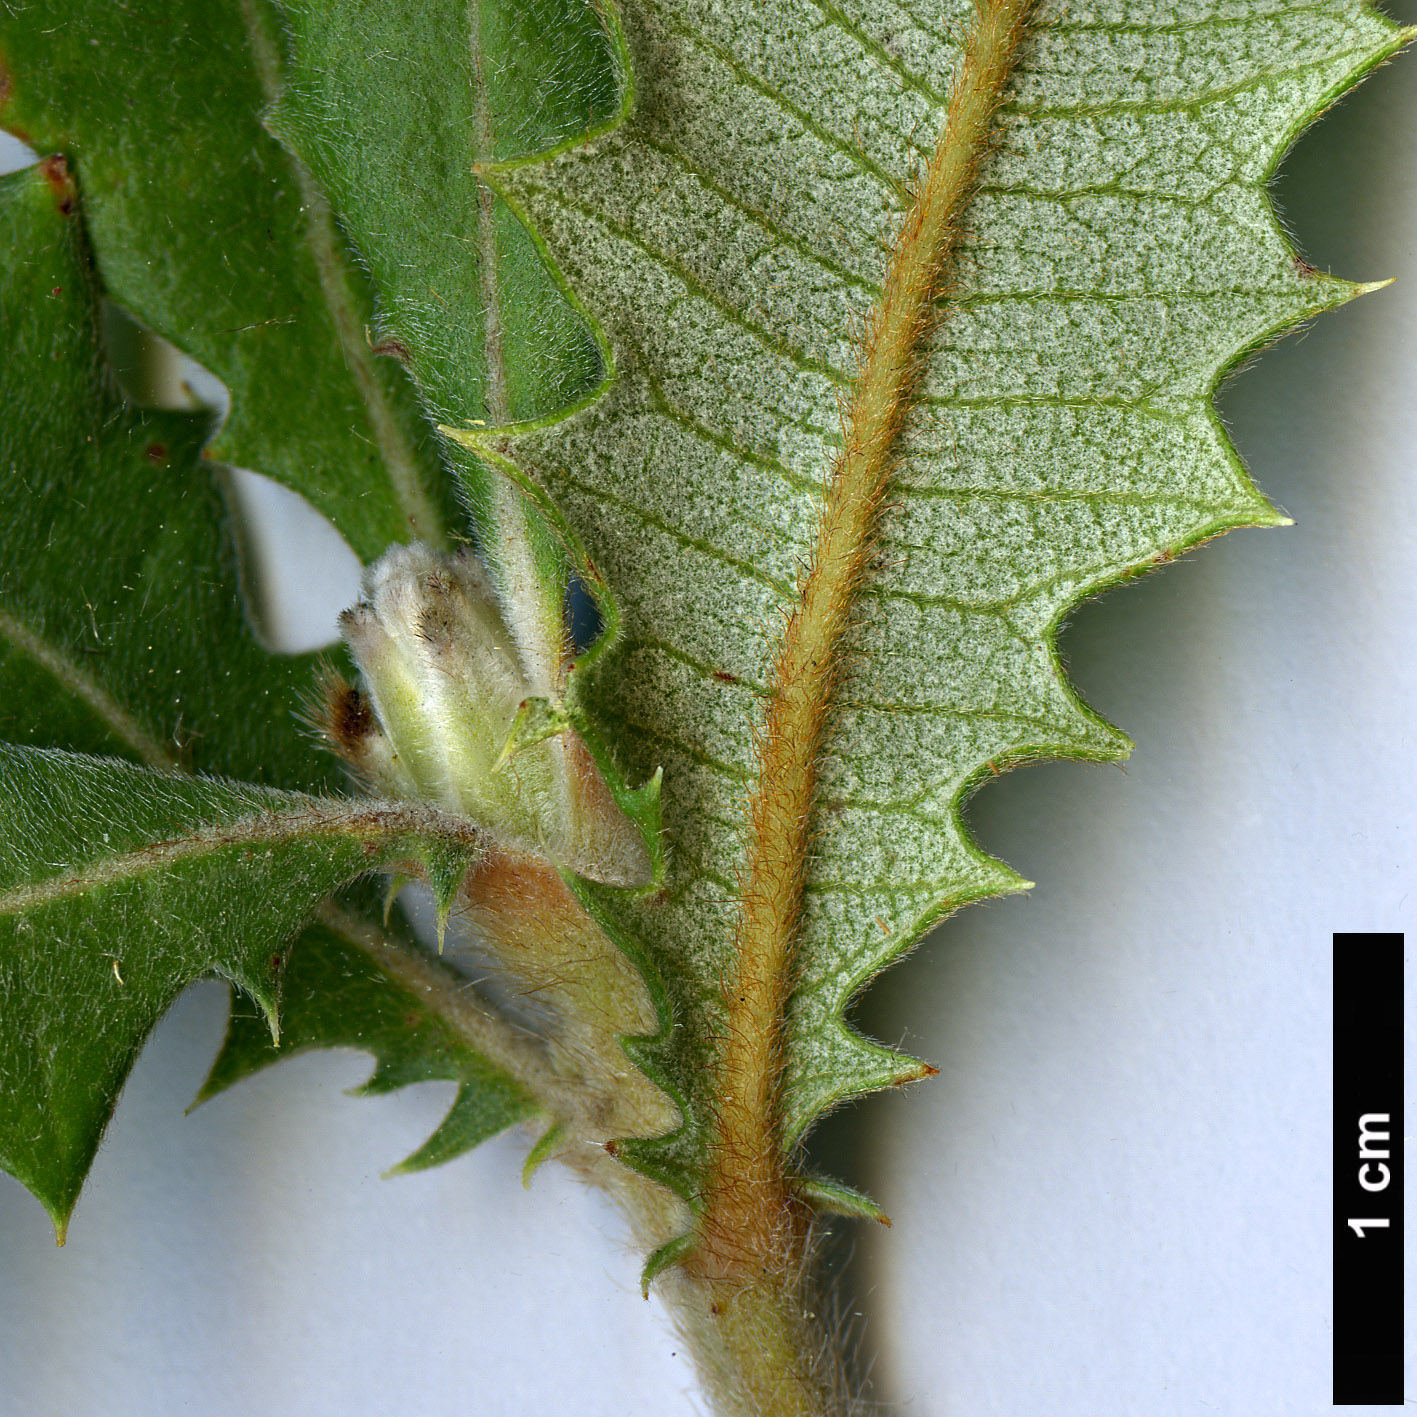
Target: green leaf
(160,111)
(390,109)
(393,111)
(1120,254)
(121,625)
(726,222)
(118,886)
(342,989)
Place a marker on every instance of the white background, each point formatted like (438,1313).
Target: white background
(1115,1198)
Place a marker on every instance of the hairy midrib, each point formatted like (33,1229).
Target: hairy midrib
(358,822)
(746,1193)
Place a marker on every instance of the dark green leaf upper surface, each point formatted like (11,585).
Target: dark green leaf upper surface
(121,632)
(118,886)
(121,624)
(209,234)
(336,994)
(390,107)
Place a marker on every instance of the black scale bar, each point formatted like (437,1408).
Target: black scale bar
(1367,1170)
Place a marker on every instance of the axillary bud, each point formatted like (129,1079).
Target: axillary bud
(437,716)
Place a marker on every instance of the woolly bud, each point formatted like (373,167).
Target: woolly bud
(451,705)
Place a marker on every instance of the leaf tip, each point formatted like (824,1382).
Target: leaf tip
(837,1198)
(1006,881)
(396,883)
(666,1255)
(915,1071)
(61,1210)
(541,1151)
(1367,287)
(401,1168)
(535,721)
(444,868)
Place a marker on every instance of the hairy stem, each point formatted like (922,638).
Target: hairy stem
(376,825)
(457,1003)
(751,1226)
(581,1089)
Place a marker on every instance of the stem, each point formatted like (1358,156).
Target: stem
(577,1094)
(378,826)
(762,1351)
(751,1227)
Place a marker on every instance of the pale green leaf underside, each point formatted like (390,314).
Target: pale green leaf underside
(730,237)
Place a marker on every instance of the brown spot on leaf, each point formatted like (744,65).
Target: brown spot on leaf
(394,348)
(724,677)
(156,453)
(55,170)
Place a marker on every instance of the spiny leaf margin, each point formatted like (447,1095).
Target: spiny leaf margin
(122,629)
(595,464)
(338,993)
(119,885)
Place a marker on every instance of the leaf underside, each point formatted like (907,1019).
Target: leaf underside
(1121,253)
(672,221)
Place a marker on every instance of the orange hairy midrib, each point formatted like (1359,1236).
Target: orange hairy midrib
(746,1214)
